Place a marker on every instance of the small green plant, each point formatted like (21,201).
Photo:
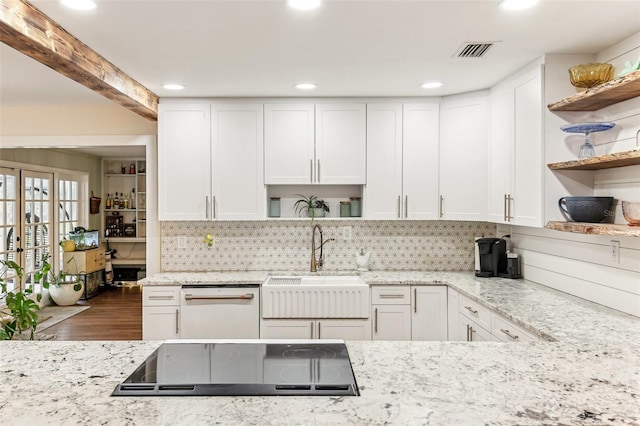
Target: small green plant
(20,314)
(309,204)
(48,277)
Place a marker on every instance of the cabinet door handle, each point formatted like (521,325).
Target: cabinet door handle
(471,331)
(213,207)
(206,207)
(406,206)
(311,170)
(415,300)
(177,324)
(319,330)
(160,297)
(311,329)
(375,321)
(504,207)
(509,334)
(247,296)
(441,206)
(509,201)
(318,173)
(468,308)
(399,208)
(391,296)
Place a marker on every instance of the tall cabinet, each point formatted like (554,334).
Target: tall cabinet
(516,149)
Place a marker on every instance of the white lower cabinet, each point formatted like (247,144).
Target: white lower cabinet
(506,331)
(160,312)
(429,313)
(347,329)
(391,312)
(409,313)
(476,323)
(471,331)
(452,314)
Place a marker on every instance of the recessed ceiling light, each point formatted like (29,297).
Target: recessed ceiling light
(517,4)
(305,86)
(431,85)
(304,4)
(79,4)
(173,86)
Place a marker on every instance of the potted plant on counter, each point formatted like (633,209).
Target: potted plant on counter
(21,312)
(312,205)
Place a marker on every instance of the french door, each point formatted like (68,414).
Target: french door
(26,222)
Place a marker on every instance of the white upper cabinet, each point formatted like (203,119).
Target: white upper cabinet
(289,141)
(402,161)
(321,144)
(210,162)
(500,155)
(420,161)
(237,161)
(383,193)
(184,161)
(528,160)
(341,144)
(463,157)
(515,150)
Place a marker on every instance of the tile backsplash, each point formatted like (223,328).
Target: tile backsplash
(284,245)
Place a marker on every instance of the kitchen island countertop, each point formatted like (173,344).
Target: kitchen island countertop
(401,383)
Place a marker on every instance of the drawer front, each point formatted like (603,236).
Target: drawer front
(390,295)
(507,331)
(160,295)
(475,311)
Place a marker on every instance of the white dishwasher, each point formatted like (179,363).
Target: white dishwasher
(220,311)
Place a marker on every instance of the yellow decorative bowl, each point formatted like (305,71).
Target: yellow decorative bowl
(631,212)
(590,75)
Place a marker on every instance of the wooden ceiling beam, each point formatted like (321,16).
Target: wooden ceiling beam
(32,33)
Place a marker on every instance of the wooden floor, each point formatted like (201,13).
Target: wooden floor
(115,314)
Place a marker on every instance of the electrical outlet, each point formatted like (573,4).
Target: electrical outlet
(615,251)
(346,233)
(182,242)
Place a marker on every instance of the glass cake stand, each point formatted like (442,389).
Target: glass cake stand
(586,149)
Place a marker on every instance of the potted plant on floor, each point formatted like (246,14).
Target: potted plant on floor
(20,314)
(312,205)
(64,288)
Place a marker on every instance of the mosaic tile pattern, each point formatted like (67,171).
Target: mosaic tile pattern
(285,245)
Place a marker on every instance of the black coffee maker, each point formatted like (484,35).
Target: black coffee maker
(494,261)
(492,254)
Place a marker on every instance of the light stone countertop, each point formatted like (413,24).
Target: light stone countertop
(401,383)
(590,375)
(548,313)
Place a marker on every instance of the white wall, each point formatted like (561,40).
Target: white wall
(68,120)
(574,263)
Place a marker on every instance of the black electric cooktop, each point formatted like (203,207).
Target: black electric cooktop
(243,368)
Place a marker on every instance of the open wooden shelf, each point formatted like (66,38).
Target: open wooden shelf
(606,161)
(595,228)
(595,98)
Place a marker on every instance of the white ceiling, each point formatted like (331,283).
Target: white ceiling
(348,47)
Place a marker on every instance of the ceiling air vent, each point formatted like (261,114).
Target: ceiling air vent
(473,50)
